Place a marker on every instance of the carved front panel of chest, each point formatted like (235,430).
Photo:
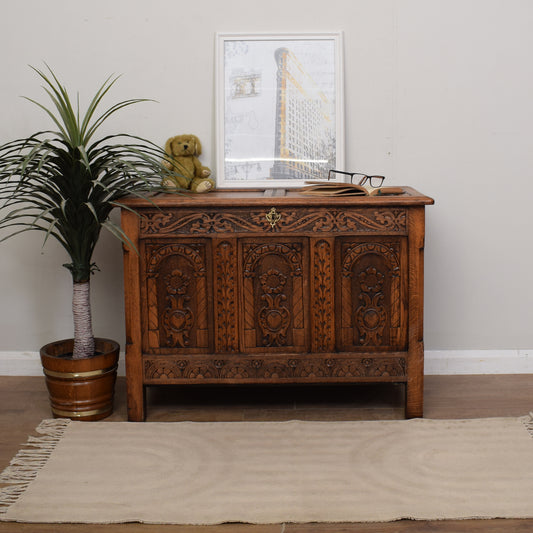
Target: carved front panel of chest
(274,301)
(177,285)
(372,291)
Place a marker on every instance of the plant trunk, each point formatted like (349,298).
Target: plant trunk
(83,329)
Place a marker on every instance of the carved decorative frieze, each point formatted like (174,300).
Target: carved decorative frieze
(293,220)
(252,368)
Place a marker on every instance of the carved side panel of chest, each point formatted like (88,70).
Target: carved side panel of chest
(274,302)
(372,291)
(176,287)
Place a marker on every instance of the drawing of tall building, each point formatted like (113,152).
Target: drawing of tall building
(304,137)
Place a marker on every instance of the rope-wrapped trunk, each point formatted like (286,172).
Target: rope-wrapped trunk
(83,329)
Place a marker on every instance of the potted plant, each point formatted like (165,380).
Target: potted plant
(65,184)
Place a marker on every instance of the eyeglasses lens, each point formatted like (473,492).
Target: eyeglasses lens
(376,181)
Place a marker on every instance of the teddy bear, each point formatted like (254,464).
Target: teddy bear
(182,159)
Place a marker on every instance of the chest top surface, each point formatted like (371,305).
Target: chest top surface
(274,197)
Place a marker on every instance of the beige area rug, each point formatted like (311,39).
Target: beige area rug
(207,473)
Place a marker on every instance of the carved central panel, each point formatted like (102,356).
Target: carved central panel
(273,299)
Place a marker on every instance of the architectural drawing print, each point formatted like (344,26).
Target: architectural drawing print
(279,110)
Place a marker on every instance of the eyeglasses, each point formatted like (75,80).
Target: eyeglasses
(374,181)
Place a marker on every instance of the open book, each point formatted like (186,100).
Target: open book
(333,188)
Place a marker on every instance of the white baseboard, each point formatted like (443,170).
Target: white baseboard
(450,362)
(437,362)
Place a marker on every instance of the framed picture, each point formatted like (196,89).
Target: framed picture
(280,109)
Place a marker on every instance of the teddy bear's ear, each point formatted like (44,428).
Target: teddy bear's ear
(168,146)
(198,150)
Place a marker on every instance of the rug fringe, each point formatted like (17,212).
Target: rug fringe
(25,466)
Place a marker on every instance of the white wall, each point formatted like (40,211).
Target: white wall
(438,93)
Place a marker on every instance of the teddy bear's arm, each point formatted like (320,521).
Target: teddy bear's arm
(199,170)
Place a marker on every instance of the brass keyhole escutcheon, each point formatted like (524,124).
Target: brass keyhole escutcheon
(273,217)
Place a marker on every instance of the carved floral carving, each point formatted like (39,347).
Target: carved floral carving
(178,318)
(274,317)
(371,315)
(323,306)
(226,270)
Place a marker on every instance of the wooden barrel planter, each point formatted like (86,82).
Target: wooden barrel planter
(80,389)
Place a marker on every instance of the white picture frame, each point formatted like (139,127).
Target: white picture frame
(279,108)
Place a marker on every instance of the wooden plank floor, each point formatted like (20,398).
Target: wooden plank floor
(24,403)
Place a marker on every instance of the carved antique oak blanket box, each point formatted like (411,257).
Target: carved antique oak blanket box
(272,286)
